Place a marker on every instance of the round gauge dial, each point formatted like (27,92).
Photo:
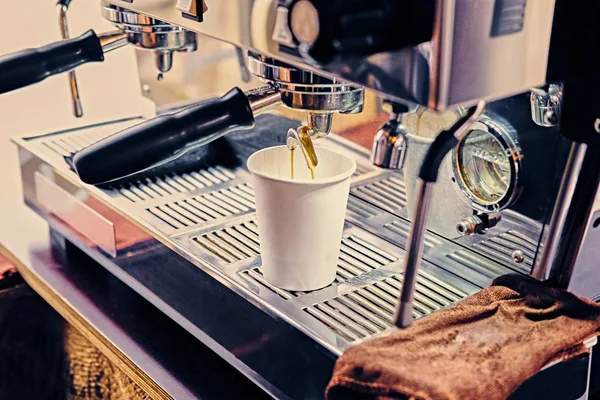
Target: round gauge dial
(487,165)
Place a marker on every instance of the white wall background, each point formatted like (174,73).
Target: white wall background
(109,90)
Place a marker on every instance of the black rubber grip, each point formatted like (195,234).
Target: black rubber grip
(30,66)
(64,2)
(162,138)
(442,145)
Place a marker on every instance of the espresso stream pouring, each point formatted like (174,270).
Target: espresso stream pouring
(302,137)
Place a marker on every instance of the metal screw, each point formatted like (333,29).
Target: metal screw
(550,118)
(518,256)
(464,228)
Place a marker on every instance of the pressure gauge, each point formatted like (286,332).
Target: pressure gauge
(487,164)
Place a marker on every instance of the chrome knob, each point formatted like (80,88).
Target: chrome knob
(546,105)
(478,224)
(389,144)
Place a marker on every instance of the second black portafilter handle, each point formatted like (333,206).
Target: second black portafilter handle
(165,137)
(30,66)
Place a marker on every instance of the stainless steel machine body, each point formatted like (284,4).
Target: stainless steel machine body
(200,222)
(477,51)
(140,30)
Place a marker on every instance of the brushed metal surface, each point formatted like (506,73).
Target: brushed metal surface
(197,240)
(76,214)
(462,63)
(207,216)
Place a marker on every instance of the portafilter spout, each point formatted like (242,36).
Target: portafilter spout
(149,33)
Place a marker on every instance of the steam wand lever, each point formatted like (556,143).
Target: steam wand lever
(428,175)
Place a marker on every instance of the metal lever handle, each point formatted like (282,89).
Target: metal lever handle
(30,66)
(241,57)
(63,7)
(166,137)
(428,175)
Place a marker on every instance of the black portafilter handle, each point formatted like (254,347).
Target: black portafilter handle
(166,137)
(26,67)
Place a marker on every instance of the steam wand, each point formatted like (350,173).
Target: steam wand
(428,175)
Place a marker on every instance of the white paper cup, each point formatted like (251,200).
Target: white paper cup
(300,221)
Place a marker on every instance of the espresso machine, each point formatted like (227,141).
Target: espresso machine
(506,183)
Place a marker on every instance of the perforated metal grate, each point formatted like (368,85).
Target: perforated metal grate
(255,276)
(363,169)
(388,193)
(370,309)
(67,144)
(166,185)
(361,208)
(196,210)
(357,257)
(478,264)
(501,247)
(229,245)
(402,228)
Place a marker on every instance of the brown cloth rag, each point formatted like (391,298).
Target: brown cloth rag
(483,347)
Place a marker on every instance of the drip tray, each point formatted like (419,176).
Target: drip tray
(206,215)
(369,269)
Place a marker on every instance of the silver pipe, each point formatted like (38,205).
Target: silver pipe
(545,268)
(163,59)
(74,87)
(244,71)
(403,317)
(263,99)
(321,122)
(112,40)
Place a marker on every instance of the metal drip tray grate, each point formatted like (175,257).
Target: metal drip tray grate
(197,210)
(369,310)
(69,143)
(388,193)
(231,244)
(208,217)
(167,185)
(402,227)
(501,247)
(254,276)
(240,242)
(361,208)
(363,169)
(357,257)
(477,264)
